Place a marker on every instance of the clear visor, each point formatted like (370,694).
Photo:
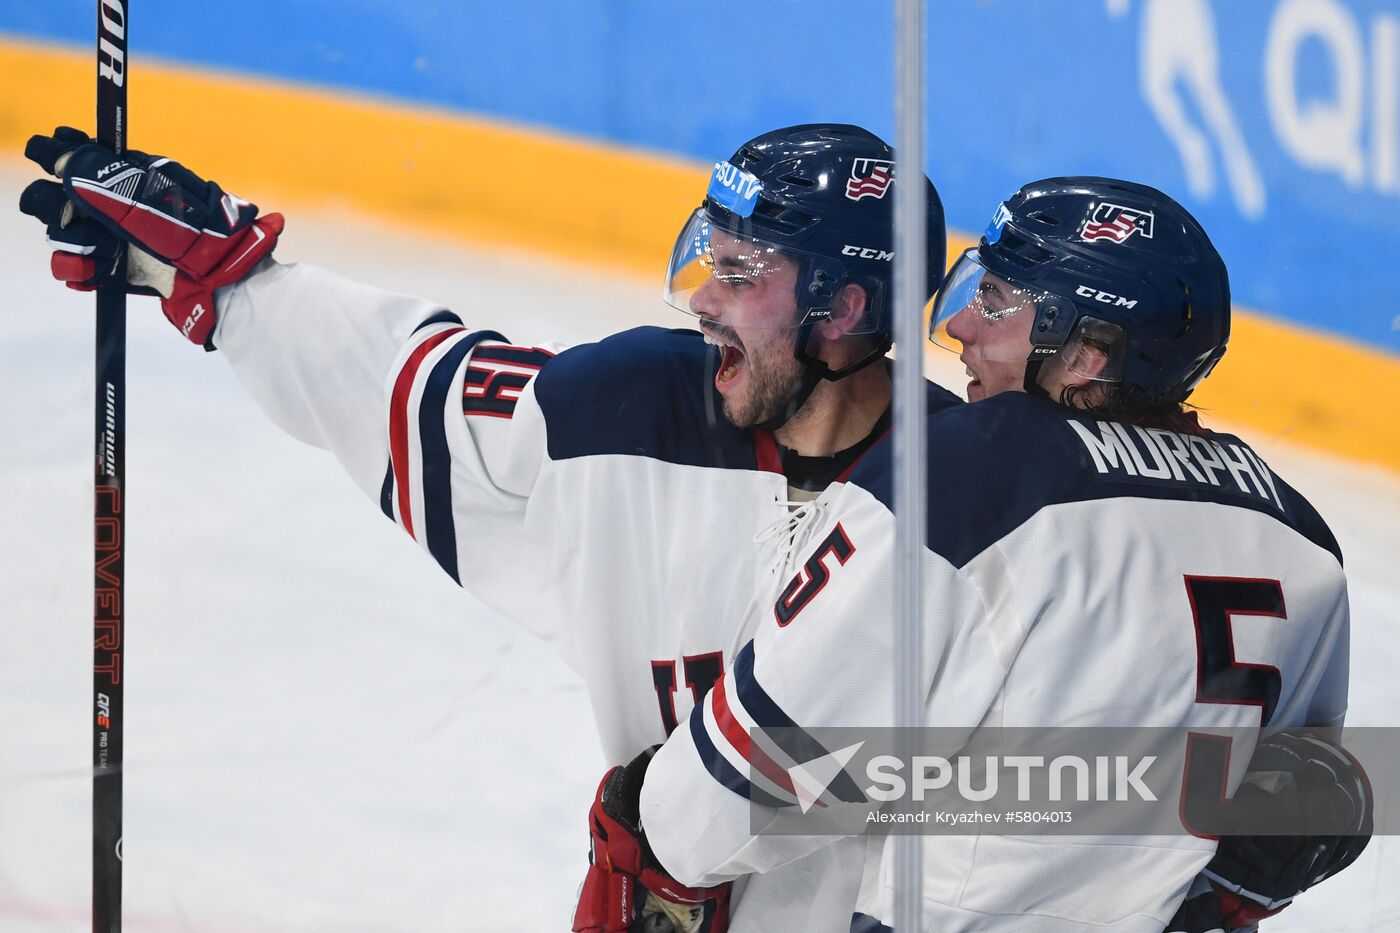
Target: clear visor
(995,318)
(736,281)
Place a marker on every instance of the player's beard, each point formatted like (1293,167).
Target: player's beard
(773,378)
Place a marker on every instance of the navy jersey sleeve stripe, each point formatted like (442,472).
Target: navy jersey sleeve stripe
(526,357)
(441,317)
(440,530)
(779,728)
(766,713)
(386,492)
(719,767)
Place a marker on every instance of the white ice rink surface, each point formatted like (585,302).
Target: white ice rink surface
(322,732)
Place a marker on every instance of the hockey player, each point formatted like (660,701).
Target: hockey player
(1094,557)
(478,448)
(601,468)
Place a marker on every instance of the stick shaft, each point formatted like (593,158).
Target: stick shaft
(109,510)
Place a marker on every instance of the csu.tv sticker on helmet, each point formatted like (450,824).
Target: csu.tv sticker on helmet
(734,189)
(870,178)
(1116,223)
(999,221)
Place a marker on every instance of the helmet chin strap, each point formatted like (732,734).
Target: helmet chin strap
(1031,383)
(814,370)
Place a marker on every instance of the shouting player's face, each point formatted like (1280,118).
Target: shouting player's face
(751,312)
(994,329)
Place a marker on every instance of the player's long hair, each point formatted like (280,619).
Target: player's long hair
(1148,408)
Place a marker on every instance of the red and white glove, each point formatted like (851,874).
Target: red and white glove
(184,237)
(626,890)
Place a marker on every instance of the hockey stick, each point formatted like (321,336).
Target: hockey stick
(108,509)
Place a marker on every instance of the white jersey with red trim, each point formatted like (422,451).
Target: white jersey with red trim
(1078,573)
(595,495)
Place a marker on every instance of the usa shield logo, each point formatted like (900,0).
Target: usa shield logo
(1116,223)
(870,178)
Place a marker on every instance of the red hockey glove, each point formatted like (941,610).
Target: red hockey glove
(1313,783)
(185,236)
(626,890)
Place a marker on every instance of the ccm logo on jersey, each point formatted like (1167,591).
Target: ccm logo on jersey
(1118,301)
(867,252)
(813,576)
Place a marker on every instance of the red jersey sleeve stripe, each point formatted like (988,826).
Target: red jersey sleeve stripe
(738,737)
(399,422)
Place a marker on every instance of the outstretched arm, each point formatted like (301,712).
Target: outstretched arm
(434,420)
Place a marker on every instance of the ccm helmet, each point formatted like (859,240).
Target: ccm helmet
(1102,263)
(817,195)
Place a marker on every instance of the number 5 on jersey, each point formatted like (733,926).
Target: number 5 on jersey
(1215,601)
(813,576)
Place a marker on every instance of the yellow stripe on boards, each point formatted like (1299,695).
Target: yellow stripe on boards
(481,181)
(436,171)
(1307,388)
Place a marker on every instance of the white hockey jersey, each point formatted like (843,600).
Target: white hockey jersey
(595,495)
(1078,573)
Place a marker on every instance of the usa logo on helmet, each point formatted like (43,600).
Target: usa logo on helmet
(870,178)
(1117,223)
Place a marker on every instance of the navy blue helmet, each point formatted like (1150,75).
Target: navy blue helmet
(819,194)
(1116,264)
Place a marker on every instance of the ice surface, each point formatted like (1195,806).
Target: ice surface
(323,732)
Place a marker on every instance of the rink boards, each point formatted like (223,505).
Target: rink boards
(477,179)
